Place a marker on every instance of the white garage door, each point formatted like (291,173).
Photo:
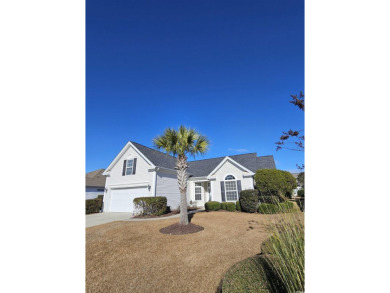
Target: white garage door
(122,199)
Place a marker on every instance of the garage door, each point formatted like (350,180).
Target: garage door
(122,199)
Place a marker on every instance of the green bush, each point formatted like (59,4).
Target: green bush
(270,199)
(212,206)
(249,200)
(287,205)
(238,206)
(93,205)
(224,206)
(291,183)
(301,192)
(271,182)
(230,206)
(268,208)
(156,206)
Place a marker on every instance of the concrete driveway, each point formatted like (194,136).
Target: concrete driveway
(103,218)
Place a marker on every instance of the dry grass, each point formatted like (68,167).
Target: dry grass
(136,257)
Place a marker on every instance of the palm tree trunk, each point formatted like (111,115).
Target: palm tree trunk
(181,167)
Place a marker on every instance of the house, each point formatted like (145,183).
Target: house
(295,191)
(139,171)
(94,184)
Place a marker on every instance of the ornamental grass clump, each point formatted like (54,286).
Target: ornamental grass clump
(284,251)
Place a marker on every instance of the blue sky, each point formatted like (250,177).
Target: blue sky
(226,68)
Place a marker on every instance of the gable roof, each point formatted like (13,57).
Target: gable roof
(158,158)
(251,161)
(201,168)
(95,178)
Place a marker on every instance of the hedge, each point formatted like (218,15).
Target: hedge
(230,206)
(224,206)
(238,206)
(212,206)
(301,192)
(249,200)
(272,182)
(156,206)
(93,205)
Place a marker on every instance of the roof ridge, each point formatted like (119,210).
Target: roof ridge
(265,156)
(222,157)
(154,149)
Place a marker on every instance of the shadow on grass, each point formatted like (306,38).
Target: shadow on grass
(253,274)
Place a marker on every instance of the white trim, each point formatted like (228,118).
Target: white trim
(125,148)
(230,180)
(234,163)
(201,191)
(139,184)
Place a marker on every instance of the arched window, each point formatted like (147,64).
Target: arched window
(231,188)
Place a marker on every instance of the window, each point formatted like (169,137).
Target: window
(100,189)
(229,177)
(231,188)
(129,167)
(198,191)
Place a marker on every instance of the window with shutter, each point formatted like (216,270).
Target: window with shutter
(129,167)
(231,190)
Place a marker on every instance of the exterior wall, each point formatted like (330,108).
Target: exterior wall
(142,176)
(191,193)
(167,186)
(220,174)
(92,192)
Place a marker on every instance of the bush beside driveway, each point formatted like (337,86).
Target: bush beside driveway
(136,257)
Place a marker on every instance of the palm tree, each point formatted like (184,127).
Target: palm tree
(180,143)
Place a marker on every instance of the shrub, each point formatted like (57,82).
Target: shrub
(93,205)
(285,206)
(212,206)
(301,192)
(156,206)
(291,183)
(100,196)
(274,182)
(268,208)
(230,206)
(224,206)
(301,179)
(249,200)
(238,206)
(270,199)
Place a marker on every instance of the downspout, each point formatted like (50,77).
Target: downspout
(155,182)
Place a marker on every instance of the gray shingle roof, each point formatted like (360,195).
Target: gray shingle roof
(199,168)
(95,178)
(156,157)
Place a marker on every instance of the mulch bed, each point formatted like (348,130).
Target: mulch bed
(178,229)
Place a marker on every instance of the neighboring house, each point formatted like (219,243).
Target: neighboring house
(295,191)
(141,171)
(94,184)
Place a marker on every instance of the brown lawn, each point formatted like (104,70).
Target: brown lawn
(136,257)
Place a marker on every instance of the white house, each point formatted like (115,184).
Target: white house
(94,184)
(141,171)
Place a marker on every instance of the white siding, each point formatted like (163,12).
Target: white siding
(91,193)
(167,186)
(220,174)
(141,178)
